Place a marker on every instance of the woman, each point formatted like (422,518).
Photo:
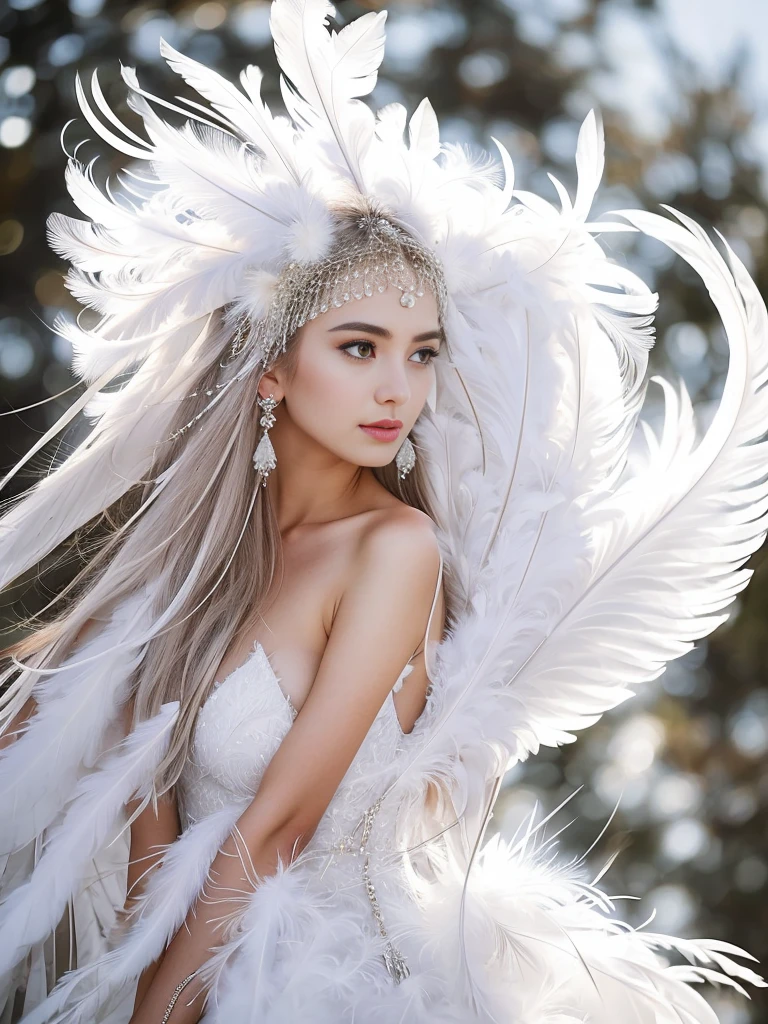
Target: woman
(281,706)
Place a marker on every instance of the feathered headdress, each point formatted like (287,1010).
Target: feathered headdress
(234,195)
(578,574)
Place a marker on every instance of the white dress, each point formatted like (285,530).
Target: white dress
(330,955)
(323,939)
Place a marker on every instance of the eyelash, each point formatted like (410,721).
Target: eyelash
(358,359)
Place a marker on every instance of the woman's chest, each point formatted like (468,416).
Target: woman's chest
(239,729)
(295,620)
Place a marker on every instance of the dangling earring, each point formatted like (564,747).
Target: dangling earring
(406,458)
(264,458)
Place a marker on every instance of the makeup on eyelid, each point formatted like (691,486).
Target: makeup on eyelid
(433,353)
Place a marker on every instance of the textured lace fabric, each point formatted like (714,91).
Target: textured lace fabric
(331,925)
(240,728)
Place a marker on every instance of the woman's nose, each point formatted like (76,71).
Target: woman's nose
(394,387)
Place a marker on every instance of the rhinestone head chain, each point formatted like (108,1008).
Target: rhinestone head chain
(369,254)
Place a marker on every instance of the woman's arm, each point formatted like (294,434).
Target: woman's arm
(150,833)
(380,618)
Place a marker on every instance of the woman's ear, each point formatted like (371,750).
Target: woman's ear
(270,385)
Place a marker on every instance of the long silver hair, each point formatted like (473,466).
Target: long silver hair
(212,531)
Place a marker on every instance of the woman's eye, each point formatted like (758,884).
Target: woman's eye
(356,344)
(431,353)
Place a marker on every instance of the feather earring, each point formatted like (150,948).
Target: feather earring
(264,458)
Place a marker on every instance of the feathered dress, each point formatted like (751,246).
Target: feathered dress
(536,942)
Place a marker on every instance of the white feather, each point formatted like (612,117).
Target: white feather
(249,116)
(170,891)
(75,708)
(111,458)
(32,911)
(327,72)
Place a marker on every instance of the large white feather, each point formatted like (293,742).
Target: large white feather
(112,457)
(33,909)
(324,73)
(75,708)
(170,892)
(250,116)
(636,584)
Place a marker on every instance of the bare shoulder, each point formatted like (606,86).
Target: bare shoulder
(392,573)
(399,541)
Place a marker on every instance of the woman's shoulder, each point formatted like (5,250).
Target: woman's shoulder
(401,524)
(384,538)
(398,544)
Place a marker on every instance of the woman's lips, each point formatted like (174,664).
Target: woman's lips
(383,433)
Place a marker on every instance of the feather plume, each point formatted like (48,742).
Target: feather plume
(638,564)
(113,457)
(324,73)
(74,711)
(170,891)
(32,911)
(249,116)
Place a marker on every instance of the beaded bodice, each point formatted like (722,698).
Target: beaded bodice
(240,728)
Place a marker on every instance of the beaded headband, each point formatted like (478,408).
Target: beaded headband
(360,263)
(381,254)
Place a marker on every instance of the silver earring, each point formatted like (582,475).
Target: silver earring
(405,458)
(264,458)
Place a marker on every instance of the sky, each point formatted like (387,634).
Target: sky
(710,31)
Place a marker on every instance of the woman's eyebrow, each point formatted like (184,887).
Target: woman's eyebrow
(382,332)
(358,325)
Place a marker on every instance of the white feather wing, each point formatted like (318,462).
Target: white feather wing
(160,911)
(589,586)
(75,708)
(248,115)
(32,910)
(668,546)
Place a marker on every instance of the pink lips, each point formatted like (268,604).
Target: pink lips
(383,430)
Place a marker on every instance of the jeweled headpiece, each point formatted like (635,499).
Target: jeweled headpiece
(370,255)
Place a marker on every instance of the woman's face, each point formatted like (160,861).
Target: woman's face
(368,360)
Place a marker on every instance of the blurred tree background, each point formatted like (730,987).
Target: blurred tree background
(686,758)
